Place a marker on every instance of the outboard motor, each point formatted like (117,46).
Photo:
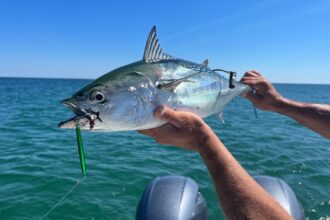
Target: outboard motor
(178,198)
(172,198)
(283,194)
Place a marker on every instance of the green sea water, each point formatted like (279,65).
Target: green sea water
(39,162)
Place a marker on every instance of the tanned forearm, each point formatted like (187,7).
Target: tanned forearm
(240,195)
(313,116)
(265,97)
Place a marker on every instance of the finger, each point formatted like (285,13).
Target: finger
(255,72)
(250,81)
(255,83)
(251,74)
(167,114)
(245,78)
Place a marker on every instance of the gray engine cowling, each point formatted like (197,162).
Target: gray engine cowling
(172,198)
(283,194)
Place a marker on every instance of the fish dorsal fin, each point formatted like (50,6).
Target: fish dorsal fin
(205,62)
(153,52)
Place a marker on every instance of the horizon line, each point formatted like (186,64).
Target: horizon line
(60,78)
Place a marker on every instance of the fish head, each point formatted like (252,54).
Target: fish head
(112,102)
(87,106)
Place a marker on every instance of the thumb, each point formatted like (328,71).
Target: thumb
(167,114)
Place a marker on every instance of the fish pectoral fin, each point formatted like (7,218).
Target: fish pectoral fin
(153,52)
(172,84)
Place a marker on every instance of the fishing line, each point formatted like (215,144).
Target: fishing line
(83,169)
(61,200)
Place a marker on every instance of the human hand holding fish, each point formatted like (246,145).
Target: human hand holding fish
(264,96)
(183,129)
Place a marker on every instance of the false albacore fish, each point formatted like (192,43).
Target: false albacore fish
(125,98)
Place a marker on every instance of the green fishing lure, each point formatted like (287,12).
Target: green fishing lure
(81,151)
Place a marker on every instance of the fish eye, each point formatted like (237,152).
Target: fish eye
(97,96)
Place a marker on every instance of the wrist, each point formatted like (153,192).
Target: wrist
(282,106)
(208,141)
(205,134)
(279,105)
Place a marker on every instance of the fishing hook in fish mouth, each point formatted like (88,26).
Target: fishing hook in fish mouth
(91,119)
(83,113)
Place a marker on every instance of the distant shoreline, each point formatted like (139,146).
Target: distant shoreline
(53,78)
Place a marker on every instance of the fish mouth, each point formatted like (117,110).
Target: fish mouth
(83,116)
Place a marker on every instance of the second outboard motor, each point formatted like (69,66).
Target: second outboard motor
(283,194)
(172,198)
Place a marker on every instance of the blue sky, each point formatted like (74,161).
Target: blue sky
(288,41)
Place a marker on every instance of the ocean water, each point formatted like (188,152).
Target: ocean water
(39,162)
